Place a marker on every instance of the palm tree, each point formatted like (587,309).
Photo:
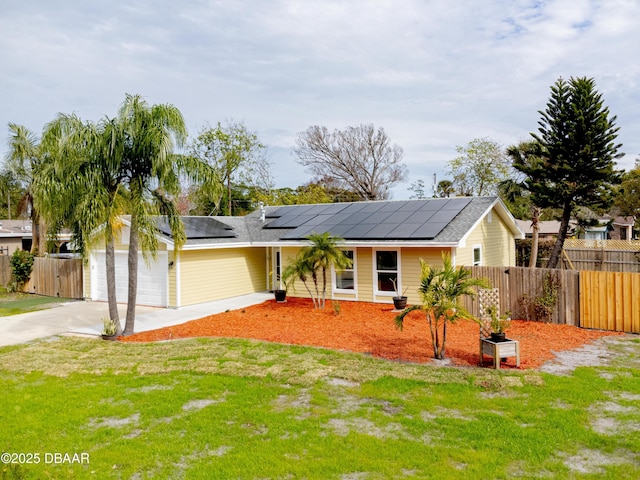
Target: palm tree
(152,173)
(441,288)
(445,189)
(299,270)
(318,257)
(24,159)
(523,156)
(82,188)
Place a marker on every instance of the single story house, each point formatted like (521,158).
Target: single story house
(622,228)
(14,235)
(18,235)
(610,228)
(229,256)
(547,229)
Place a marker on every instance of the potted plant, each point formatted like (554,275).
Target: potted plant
(399,301)
(280,295)
(109,329)
(498,324)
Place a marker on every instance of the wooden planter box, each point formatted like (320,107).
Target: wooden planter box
(498,350)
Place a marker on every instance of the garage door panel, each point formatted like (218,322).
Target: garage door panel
(152,279)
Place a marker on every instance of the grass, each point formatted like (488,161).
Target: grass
(14,303)
(240,409)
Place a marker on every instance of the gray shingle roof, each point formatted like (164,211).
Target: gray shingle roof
(429,221)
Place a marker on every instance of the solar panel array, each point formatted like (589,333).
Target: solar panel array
(394,220)
(200,227)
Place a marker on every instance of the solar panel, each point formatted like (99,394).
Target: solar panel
(381,231)
(402,216)
(354,207)
(199,227)
(405,220)
(361,217)
(432,205)
(358,231)
(371,207)
(428,230)
(456,203)
(410,206)
(404,231)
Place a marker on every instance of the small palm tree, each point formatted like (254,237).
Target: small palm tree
(441,289)
(299,270)
(317,258)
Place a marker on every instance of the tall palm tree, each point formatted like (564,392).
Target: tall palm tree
(82,187)
(24,159)
(152,173)
(323,253)
(441,289)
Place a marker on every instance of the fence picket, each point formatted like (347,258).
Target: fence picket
(52,277)
(589,299)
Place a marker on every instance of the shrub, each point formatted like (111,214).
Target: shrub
(21,265)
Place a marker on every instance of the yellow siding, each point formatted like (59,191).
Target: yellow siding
(496,241)
(410,268)
(297,288)
(364,270)
(409,271)
(207,275)
(173,301)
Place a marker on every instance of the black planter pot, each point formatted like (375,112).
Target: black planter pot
(498,337)
(399,303)
(281,295)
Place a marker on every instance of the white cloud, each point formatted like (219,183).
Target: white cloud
(435,74)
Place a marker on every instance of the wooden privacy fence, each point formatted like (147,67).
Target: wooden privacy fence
(602,260)
(610,301)
(53,277)
(5,270)
(543,294)
(600,300)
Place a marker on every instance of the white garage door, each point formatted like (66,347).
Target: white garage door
(152,279)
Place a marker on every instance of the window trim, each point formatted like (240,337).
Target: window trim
(477,247)
(354,269)
(398,271)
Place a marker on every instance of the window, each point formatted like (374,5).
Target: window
(477,255)
(345,280)
(386,271)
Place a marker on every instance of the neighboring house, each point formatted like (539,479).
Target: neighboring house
(229,256)
(14,235)
(610,228)
(622,228)
(595,232)
(17,235)
(548,229)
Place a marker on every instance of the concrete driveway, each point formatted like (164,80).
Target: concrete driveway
(85,318)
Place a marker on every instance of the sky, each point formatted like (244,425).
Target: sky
(435,74)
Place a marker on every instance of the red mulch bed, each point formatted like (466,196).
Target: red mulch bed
(369,328)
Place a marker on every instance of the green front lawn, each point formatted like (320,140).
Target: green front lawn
(14,303)
(239,409)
